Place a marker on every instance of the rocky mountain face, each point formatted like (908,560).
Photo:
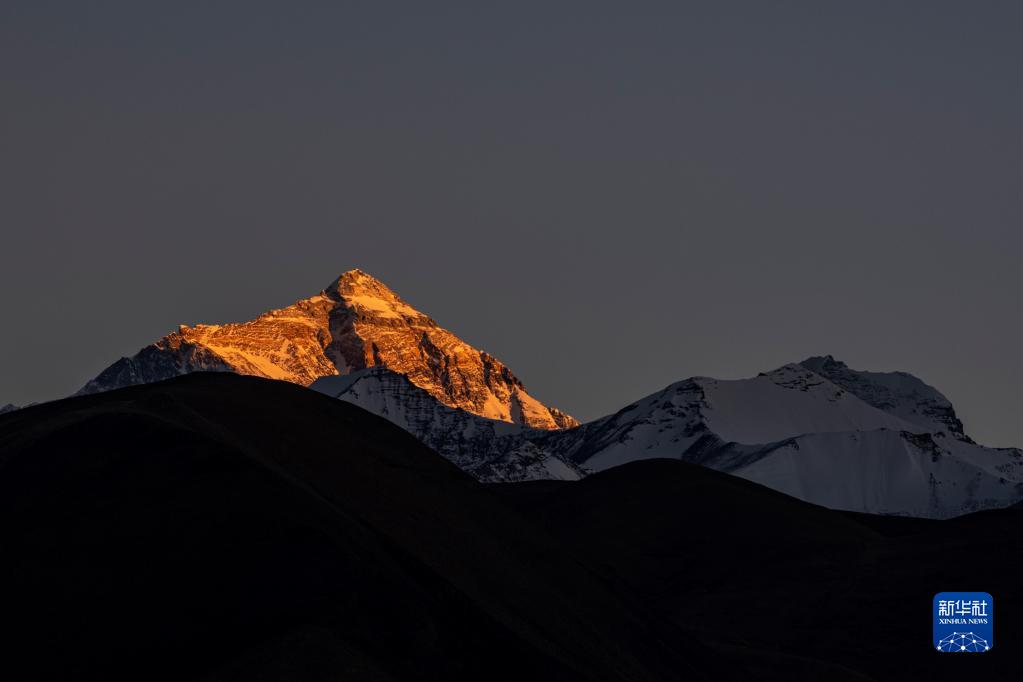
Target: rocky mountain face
(898,393)
(355,323)
(792,429)
(9,407)
(488,449)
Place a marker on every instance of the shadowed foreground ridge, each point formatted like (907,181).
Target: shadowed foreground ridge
(755,570)
(224,527)
(216,526)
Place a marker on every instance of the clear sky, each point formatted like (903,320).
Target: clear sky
(607,196)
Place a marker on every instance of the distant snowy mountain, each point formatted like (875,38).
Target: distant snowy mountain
(865,441)
(355,323)
(861,441)
(879,443)
(9,407)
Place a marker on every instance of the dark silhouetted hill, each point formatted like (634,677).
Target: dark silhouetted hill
(217,526)
(221,527)
(756,571)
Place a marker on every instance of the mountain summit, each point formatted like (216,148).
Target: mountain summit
(899,393)
(875,442)
(355,323)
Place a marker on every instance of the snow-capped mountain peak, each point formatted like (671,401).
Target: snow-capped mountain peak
(864,441)
(368,296)
(789,401)
(357,322)
(898,393)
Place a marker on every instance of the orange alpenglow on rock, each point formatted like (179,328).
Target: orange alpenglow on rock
(354,323)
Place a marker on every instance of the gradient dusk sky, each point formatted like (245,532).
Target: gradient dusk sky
(608,196)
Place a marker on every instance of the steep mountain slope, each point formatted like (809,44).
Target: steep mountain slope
(216,526)
(897,393)
(9,407)
(489,450)
(766,572)
(355,323)
(692,415)
(889,472)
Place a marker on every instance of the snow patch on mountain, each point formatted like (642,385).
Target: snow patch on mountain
(889,472)
(789,401)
